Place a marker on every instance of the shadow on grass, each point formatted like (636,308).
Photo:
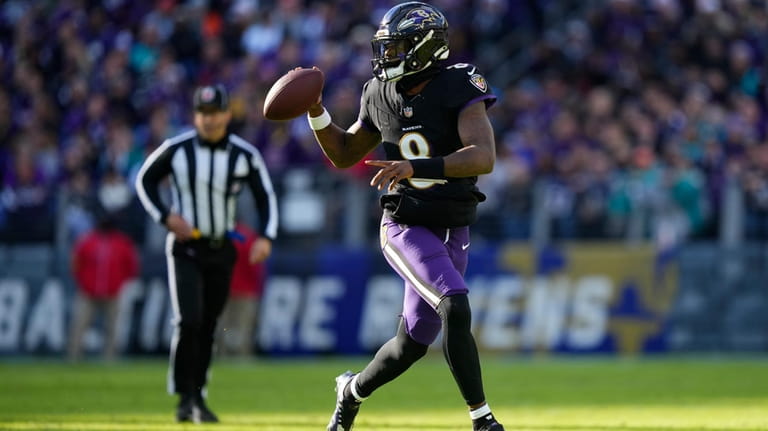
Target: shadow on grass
(256,424)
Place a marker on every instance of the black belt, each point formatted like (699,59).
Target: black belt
(212,242)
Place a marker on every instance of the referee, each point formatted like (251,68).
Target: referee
(208,167)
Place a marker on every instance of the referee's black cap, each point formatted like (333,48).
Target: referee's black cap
(209,98)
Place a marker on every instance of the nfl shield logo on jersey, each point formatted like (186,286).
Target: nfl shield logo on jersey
(408,111)
(478,81)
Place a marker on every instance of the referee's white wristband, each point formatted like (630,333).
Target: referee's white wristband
(321,122)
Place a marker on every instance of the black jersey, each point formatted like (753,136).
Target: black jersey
(422,126)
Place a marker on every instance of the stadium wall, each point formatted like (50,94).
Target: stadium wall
(575,298)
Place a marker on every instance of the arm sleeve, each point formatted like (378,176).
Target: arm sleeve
(264,196)
(155,168)
(364,117)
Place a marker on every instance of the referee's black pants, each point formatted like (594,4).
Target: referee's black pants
(199,274)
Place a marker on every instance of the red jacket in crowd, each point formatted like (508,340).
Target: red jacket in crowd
(103,261)
(247,279)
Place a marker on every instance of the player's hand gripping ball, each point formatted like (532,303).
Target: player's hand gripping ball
(293,94)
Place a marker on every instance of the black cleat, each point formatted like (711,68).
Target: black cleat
(192,408)
(201,413)
(344,415)
(185,408)
(489,425)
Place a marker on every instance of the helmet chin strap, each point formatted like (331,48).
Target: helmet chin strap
(396,72)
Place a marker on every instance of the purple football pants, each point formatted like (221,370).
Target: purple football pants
(432,262)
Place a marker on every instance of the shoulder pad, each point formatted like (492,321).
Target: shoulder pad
(465,72)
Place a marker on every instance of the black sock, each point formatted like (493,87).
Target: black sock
(186,397)
(392,359)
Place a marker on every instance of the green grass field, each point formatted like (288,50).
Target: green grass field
(564,394)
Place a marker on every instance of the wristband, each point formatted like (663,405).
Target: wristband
(428,168)
(321,122)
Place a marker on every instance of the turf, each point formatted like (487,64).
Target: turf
(563,394)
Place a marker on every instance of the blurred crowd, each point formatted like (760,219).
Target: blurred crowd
(607,109)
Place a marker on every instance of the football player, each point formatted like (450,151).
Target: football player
(431,119)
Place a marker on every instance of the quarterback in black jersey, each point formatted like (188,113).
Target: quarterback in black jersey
(422,128)
(431,119)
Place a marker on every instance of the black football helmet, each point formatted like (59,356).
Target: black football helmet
(411,37)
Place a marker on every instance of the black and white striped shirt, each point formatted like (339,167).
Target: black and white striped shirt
(206,180)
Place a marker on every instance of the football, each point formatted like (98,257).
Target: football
(293,94)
